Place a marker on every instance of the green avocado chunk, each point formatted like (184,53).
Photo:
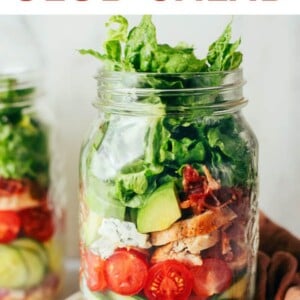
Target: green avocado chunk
(161,210)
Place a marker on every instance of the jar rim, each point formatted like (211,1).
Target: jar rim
(107,74)
(138,91)
(23,79)
(238,70)
(18,87)
(147,82)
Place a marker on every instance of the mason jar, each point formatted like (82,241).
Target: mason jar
(168,185)
(30,219)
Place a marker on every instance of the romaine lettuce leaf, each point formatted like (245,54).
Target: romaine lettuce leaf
(222,55)
(174,141)
(23,149)
(140,51)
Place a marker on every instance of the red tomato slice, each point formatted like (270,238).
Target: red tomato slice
(10,225)
(212,277)
(141,253)
(93,268)
(37,223)
(126,272)
(169,280)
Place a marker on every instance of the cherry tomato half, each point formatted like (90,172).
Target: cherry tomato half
(126,272)
(169,280)
(37,223)
(10,225)
(93,268)
(212,277)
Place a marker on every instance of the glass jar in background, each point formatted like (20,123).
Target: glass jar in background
(30,220)
(31,202)
(168,184)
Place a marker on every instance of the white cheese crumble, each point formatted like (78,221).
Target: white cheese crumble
(115,233)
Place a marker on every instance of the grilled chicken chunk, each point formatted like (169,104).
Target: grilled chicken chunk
(186,250)
(202,224)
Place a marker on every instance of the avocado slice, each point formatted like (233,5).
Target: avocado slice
(161,210)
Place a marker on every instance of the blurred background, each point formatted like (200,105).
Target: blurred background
(271,47)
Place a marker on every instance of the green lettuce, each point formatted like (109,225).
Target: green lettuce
(23,149)
(174,141)
(9,93)
(139,51)
(23,138)
(223,55)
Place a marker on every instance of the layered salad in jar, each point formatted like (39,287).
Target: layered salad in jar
(30,266)
(175,220)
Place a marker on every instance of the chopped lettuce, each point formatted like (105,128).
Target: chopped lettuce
(135,181)
(174,141)
(99,198)
(139,51)
(23,139)
(222,55)
(23,149)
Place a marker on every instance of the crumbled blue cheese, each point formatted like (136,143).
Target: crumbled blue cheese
(115,233)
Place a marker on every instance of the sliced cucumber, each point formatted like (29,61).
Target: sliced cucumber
(91,295)
(114,296)
(54,253)
(35,266)
(33,245)
(108,295)
(90,227)
(13,270)
(236,291)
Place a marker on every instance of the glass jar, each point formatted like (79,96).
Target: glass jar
(30,250)
(168,184)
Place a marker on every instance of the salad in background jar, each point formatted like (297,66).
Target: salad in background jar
(30,258)
(168,174)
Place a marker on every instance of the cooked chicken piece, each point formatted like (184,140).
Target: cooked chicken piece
(202,224)
(168,252)
(18,201)
(186,250)
(196,244)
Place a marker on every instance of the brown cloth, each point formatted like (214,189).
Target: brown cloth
(278,264)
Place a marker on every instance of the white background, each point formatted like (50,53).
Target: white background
(150,6)
(271,47)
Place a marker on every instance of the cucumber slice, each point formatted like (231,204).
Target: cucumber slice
(236,291)
(35,267)
(114,296)
(108,295)
(33,245)
(54,253)
(91,295)
(90,227)
(13,270)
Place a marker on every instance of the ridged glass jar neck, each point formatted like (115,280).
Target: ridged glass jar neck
(17,90)
(182,93)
